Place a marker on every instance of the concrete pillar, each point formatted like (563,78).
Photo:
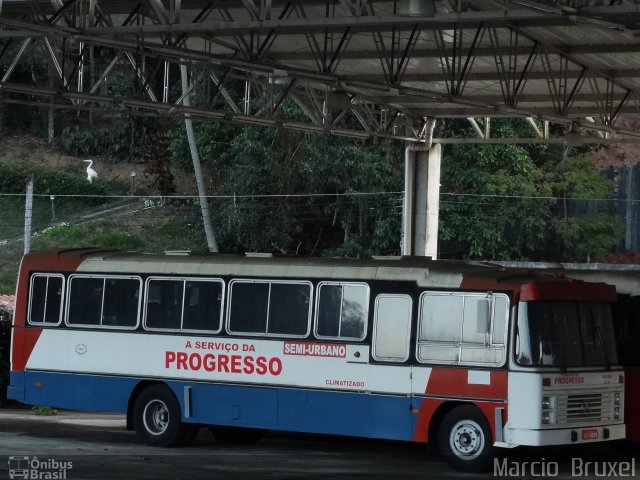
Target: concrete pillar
(421,201)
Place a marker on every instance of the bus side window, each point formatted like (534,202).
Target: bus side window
(342,310)
(45,301)
(85,300)
(121,302)
(289,309)
(449,328)
(270,308)
(248,307)
(164,304)
(107,301)
(203,305)
(440,330)
(392,327)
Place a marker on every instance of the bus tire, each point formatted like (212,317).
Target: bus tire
(157,418)
(465,439)
(237,435)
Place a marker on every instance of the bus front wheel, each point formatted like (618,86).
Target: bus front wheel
(465,440)
(157,418)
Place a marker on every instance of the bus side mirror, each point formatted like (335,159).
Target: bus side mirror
(484,316)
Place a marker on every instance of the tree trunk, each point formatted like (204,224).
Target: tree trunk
(204,202)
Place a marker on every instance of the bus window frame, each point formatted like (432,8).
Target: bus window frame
(100,325)
(504,347)
(366,312)
(266,334)
(184,281)
(62,299)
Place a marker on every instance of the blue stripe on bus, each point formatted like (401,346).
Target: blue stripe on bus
(15,390)
(78,392)
(288,409)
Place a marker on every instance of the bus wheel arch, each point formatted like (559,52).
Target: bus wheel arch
(435,422)
(157,417)
(135,393)
(465,439)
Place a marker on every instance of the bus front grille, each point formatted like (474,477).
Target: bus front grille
(584,408)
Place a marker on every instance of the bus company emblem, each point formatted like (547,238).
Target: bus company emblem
(81,349)
(585,408)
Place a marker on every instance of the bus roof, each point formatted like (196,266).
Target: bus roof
(422,270)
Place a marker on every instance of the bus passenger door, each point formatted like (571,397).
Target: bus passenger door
(390,375)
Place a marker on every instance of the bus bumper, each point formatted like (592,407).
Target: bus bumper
(566,436)
(15,390)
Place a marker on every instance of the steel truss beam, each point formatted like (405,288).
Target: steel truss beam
(253,79)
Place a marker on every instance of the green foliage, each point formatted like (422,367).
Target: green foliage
(121,142)
(582,226)
(71,190)
(7,283)
(44,411)
(177,233)
(213,140)
(577,179)
(508,202)
(77,237)
(269,164)
(587,238)
(489,212)
(77,141)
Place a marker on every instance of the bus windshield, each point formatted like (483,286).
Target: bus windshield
(565,334)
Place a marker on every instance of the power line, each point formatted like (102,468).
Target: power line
(228,197)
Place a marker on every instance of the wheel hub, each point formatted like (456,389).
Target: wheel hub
(156,417)
(467,439)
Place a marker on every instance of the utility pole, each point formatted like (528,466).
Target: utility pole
(28,213)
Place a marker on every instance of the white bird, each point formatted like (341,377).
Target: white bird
(91,173)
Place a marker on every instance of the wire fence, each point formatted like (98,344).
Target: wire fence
(261,210)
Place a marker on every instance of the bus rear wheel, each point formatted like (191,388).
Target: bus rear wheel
(157,418)
(465,440)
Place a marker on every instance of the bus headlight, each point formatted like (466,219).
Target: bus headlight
(616,398)
(548,415)
(616,413)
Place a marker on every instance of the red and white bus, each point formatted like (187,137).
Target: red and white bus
(626,316)
(627,328)
(466,355)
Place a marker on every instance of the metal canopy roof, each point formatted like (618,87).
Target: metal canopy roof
(354,67)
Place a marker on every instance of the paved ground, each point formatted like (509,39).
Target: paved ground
(99,447)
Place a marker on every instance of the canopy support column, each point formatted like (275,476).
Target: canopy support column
(421,200)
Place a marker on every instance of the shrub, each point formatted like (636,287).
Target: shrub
(121,143)
(77,141)
(44,411)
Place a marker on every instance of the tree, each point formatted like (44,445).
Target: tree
(582,226)
(293,192)
(487,205)
(157,164)
(512,202)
